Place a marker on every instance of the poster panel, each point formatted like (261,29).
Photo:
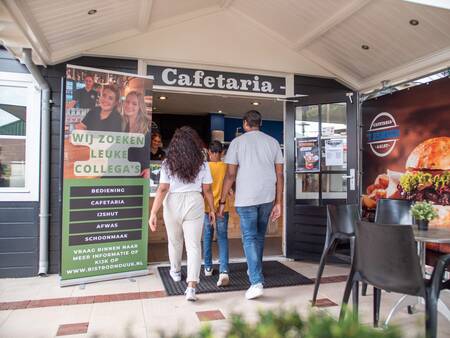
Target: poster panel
(308,156)
(406,149)
(334,152)
(106,175)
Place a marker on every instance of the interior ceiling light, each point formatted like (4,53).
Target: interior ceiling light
(219,111)
(255,103)
(365,47)
(162,97)
(92,11)
(413,22)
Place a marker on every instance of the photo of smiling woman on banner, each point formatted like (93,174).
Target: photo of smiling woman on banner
(135,120)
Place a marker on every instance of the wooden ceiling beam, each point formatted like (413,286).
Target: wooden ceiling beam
(145,13)
(340,16)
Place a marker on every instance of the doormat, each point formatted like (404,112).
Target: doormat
(275,273)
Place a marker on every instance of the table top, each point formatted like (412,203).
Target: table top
(432,235)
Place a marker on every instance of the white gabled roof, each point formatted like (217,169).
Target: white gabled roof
(320,37)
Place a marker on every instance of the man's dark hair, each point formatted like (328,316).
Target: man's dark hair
(253,118)
(215,147)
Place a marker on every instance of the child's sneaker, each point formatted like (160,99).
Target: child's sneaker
(176,275)
(224,280)
(208,272)
(190,294)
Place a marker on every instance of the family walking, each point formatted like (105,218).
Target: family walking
(195,195)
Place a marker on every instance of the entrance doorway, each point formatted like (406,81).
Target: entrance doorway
(321,166)
(172,110)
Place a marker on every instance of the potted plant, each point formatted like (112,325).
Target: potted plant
(423,212)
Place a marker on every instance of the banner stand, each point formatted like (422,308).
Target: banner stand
(102,278)
(106,156)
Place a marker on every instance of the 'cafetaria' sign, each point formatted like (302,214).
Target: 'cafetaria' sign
(215,80)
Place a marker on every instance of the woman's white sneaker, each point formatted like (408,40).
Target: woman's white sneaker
(254,291)
(224,280)
(190,294)
(176,275)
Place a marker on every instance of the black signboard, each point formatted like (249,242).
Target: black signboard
(216,80)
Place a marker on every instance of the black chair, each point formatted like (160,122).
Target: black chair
(386,257)
(340,226)
(391,211)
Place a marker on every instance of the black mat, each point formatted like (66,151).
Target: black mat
(276,274)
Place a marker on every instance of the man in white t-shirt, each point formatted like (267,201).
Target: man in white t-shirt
(255,162)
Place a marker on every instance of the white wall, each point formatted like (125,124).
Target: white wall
(220,38)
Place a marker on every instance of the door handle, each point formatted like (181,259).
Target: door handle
(351,177)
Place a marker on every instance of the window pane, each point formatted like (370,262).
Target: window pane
(307,121)
(12,136)
(334,186)
(307,186)
(334,136)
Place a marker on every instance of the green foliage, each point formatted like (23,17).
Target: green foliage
(288,324)
(423,211)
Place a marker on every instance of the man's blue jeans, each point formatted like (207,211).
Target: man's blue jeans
(222,240)
(254,221)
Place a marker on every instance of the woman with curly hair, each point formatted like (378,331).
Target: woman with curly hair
(184,176)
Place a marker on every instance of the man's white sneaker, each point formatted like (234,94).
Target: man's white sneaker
(254,291)
(176,275)
(190,294)
(208,272)
(224,280)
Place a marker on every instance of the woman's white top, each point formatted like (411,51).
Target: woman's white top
(176,185)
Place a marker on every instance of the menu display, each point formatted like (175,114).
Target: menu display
(106,176)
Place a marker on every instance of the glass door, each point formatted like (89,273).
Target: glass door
(321,153)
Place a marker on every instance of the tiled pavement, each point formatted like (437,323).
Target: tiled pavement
(139,307)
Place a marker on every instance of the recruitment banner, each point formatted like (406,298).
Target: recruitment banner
(106,175)
(406,142)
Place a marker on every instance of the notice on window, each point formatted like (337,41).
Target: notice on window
(106,175)
(334,152)
(155,173)
(308,159)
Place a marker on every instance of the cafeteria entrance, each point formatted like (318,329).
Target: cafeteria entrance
(214,117)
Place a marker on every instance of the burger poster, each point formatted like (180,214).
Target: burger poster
(106,175)
(308,157)
(406,148)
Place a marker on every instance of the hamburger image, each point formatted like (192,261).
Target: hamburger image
(427,176)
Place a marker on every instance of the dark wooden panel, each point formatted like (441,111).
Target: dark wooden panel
(18,230)
(19,236)
(18,260)
(309,229)
(306,220)
(19,244)
(308,238)
(310,210)
(10,214)
(15,272)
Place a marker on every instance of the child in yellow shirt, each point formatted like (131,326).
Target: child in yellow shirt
(218,171)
